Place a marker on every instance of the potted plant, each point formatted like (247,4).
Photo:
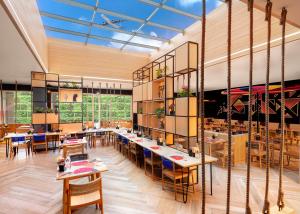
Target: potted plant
(159,73)
(140,110)
(184,92)
(160,112)
(74,85)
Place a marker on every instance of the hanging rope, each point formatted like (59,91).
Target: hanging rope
(266,208)
(202,101)
(250,9)
(280,202)
(229,3)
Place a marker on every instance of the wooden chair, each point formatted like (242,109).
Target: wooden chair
(98,136)
(258,151)
(53,139)
(18,143)
(134,153)
(81,195)
(125,147)
(177,175)
(222,154)
(73,149)
(292,152)
(39,139)
(152,160)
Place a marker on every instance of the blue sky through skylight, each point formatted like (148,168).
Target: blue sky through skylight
(120,20)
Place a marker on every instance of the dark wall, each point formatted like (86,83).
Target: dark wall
(216,105)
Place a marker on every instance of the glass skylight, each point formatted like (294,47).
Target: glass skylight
(135,25)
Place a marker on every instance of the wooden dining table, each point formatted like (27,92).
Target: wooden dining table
(79,169)
(7,138)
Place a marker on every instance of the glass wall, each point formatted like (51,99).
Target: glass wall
(18,110)
(112,107)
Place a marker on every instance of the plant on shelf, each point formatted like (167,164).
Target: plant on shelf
(160,112)
(39,110)
(160,72)
(140,111)
(49,110)
(184,92)
(74,85)
(66,85)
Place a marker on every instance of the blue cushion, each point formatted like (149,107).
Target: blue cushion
(39,137)
(119,138)
(18,139)
(125,141)
(167,164)
(147,153)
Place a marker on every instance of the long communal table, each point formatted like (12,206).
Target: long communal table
(168,153)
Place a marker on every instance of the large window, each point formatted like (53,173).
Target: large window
(17,109)
(70,112)
(112,107)
(24,107)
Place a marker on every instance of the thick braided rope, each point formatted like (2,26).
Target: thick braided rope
(229,4)
(280,202)
(202,102)
(266,208)
(250,8)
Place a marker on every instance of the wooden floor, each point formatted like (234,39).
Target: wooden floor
(28,185)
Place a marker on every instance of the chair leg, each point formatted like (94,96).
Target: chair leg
(145,166)
(163,181)
(152,171)
(175,189)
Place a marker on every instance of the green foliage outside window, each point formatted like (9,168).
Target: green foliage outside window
(114,107)
(70,112)
(23,107)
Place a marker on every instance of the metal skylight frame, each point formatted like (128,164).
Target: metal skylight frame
(101,38)
(88,23)
(144,22)
(171,9)
(119,15)
(147,20)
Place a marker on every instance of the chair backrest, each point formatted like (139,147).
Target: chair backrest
(82,189)
(100,133)
(39,138)
(74,149)
(119,138)
(125,141)
(147,153)
(80,135)
(167,164)
(79,157)
(18,139)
